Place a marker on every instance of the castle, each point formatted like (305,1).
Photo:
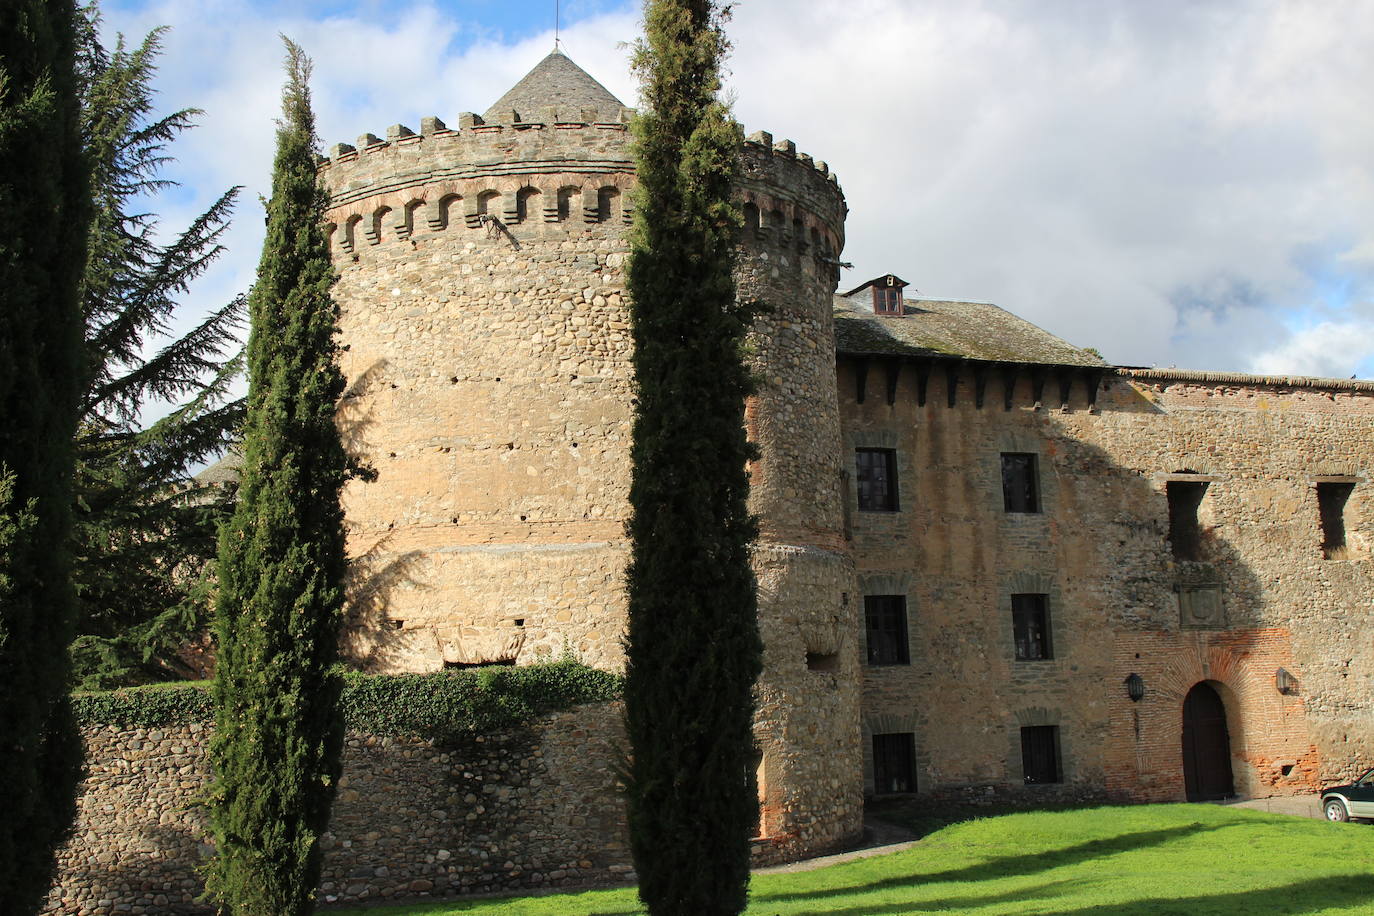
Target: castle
(989,563)
(987,557)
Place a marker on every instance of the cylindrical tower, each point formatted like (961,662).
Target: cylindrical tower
(490,386)
(810,777)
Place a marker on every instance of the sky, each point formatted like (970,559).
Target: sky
(1184,184)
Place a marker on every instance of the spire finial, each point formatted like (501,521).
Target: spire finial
(557,18)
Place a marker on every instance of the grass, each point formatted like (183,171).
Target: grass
(1148,860)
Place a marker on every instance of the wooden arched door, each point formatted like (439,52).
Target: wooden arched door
(1206,746)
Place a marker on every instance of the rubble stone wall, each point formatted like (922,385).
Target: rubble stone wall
(486,322)
(531,807)
(1259,597)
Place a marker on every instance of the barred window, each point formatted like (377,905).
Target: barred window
(1020,483)
(885,625)
(1040,754)
(877,479)
(894,763)
(1030,623)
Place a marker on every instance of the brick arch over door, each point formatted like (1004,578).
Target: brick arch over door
(1267,729)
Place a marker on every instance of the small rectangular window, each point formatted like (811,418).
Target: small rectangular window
(877,479)
(885,626)
(894,763)
(1040,755)
(1185,536)
(1331,500)
(1020,484)
(1030,622)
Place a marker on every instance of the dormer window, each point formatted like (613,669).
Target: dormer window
(887,300)
(887,294)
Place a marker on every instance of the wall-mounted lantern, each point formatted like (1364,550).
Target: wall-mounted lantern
(1135,687)
(1285,682)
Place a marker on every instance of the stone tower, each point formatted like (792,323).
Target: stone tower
(490,386)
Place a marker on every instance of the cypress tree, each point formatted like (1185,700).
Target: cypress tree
(144,530)
(278,733)
(693,649)
(43,205)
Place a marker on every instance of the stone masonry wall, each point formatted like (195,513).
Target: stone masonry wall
(1099,549)
(488,358)
(807,720)
(534,807)
(490,388)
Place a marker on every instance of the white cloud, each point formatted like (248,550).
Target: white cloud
(1330,349)
(1156,180)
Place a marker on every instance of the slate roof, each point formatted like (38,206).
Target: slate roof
(945,327)
(224,471)
(559,83)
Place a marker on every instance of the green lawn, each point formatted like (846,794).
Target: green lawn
(1150,860)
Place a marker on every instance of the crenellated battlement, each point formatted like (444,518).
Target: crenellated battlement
(571,173)
(575,173)
(790,199)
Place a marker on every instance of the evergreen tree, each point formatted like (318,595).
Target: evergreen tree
(278,733)
(145,532)
(693,649)
(44,206)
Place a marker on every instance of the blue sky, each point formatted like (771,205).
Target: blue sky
(1174,183)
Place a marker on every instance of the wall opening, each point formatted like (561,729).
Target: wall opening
(488,202)
(751,217)
(526,202)
(822,661)
(607,204)
(485,663)
(1185,532)
(565,199)
(1331,499)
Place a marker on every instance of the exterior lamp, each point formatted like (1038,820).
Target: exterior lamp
(1135,687)
(1285,682)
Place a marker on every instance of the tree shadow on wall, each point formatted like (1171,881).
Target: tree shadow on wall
(355,415)
(370,635)
(167,863)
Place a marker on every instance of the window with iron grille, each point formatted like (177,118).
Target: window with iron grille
(1030,624)
(885,625)
(877,479)
(1020,483)
(1040,754)
(894,763)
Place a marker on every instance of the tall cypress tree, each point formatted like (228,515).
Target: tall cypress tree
(693,649)
(278,734)
(44,205)
(144,530)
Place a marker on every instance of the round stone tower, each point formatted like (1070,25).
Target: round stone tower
(490,386)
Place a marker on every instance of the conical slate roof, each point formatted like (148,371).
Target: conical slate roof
(556,82)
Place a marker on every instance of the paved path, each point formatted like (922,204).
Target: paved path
(880,838)
(1296,805)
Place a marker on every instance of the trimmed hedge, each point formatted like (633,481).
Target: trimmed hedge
(444,706)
